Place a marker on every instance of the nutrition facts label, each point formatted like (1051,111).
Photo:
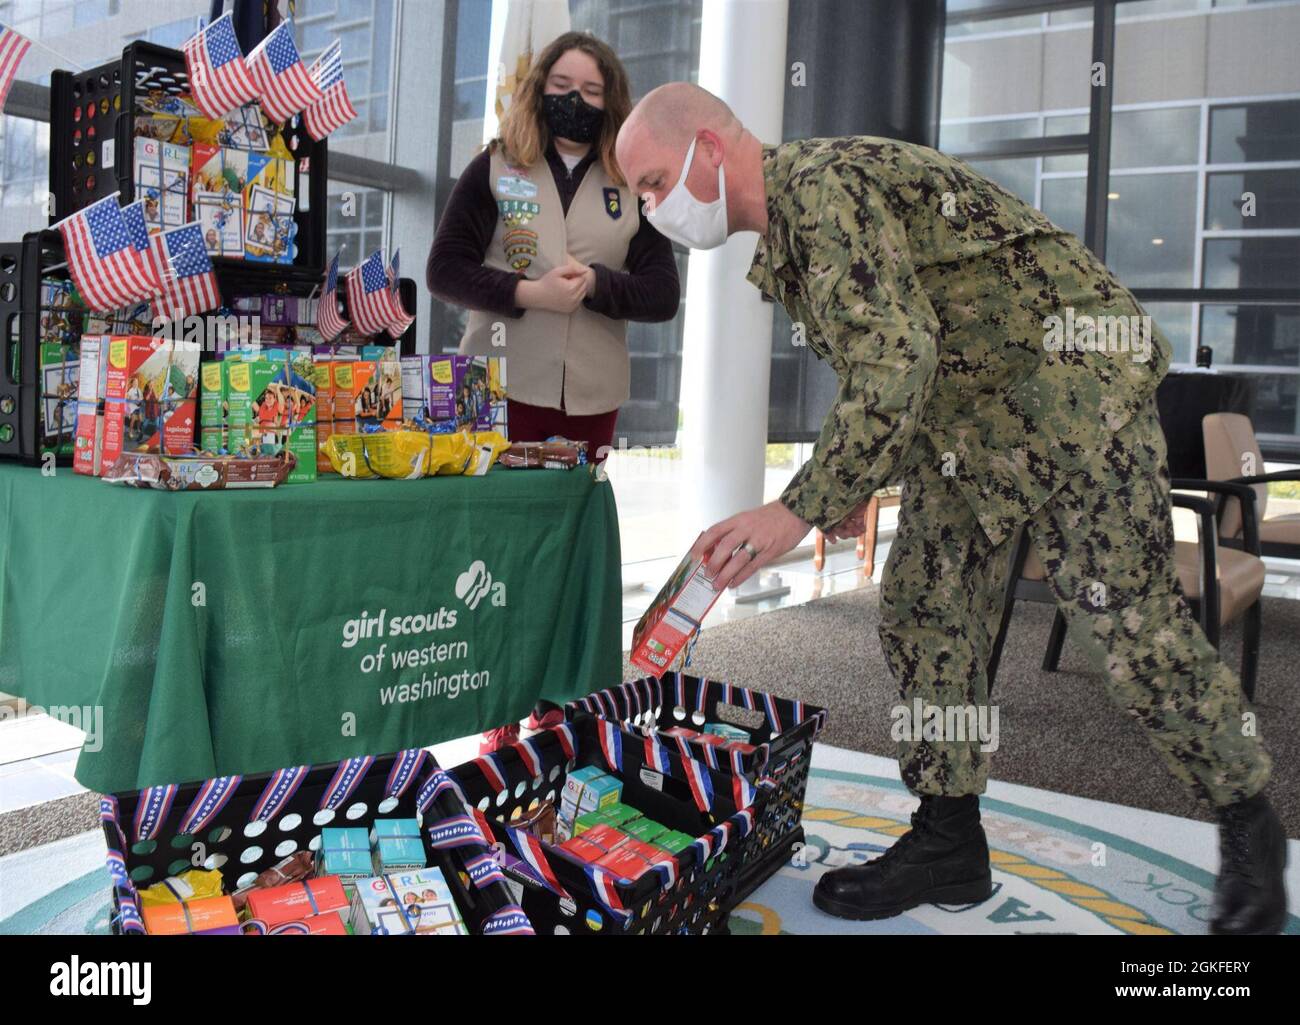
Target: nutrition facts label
(696,597)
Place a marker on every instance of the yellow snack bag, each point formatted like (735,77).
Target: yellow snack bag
(193,884)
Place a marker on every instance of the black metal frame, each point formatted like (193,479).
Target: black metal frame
(1206,609)
(1096,144)
(1277,549)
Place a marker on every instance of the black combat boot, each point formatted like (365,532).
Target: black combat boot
(1249,895)
(942,859)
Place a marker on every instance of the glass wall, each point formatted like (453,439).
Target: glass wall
(1204,177)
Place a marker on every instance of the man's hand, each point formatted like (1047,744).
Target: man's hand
(851,526)
(748,541)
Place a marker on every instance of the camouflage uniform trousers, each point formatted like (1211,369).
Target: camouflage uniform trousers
(1110,525)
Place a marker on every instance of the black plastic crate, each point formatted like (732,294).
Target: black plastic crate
(781,730)
(692,892)
(228,847)
(92,118)
(39,256)
(23,266)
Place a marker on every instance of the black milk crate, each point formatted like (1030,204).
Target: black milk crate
(781,731)
(238,278)
(92,119)
(691,892)
(23,266)
(227,846)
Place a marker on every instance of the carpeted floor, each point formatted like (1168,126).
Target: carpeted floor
(1058,731)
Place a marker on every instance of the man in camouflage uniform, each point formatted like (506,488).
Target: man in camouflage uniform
(932,291)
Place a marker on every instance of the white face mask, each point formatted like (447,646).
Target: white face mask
(689,221)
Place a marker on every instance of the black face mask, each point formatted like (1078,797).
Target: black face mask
(571,117)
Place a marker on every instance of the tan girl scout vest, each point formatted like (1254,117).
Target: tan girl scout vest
(581,356)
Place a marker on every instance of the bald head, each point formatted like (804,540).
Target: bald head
(675,112)
(652,144)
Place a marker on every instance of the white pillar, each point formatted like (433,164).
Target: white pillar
(728,331)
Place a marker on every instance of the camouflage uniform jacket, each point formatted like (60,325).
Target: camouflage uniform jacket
(929,290)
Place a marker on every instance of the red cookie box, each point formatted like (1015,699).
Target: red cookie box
(674,617)
(595,843)
(631,859)
(149,402)
(709,738)
(291,902)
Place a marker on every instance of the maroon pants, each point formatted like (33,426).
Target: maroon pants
(537,423)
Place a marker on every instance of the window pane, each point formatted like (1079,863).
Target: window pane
(1258,335)
(1063,202)
(1072,124)
(1155,138)
(972,28)
(1252,263)
(1151,229)
(470,99)
(1252,199)
(954,138)
(1254,132)
(1277,404)
(1015,176)
(1175,321)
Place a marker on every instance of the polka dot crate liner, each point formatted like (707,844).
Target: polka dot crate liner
(241,826)
(781,734)
(689,892)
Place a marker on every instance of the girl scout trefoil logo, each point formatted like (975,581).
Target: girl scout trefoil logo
(519,242)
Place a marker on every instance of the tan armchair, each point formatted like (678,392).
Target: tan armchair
(1220,584)
(1230,447)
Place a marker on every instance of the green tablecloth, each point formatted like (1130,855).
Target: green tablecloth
(212,631)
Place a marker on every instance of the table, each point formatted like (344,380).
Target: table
(1184,398)
(206,634)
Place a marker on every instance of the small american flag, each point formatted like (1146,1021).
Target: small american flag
(13,48)
(371,302)
(335,110)
(281,77)
(181,261)
(328,321)
(397,327)
(219,78)
(137,228)
(109,271)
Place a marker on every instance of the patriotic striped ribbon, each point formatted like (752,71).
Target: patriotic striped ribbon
(117,869)
(437,781)
(679,690)
(509,921)
(108,813)
(656,754)
(490,766)
(279,789)
(710,755)
(701,695)
(701,783)
(532,852)
(406,766)
(666,870)
(152,810)
(773,716)
(214,795)
(456,831)
(484,870)
(568,739)
(347,777)
(742,791)
(611,745)
(128,915)
(606,891)
(529,755)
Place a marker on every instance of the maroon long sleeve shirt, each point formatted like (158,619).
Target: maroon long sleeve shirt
(648,290)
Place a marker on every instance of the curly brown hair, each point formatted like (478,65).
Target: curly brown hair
(524,134)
